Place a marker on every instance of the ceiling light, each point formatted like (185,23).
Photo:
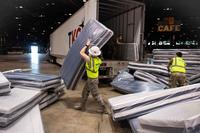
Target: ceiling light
(52,28)
(16,17)
(43,31)
(28,34)
(41,16)
(47,4)
(21,7)
(70,14)
(52,3)
(19,25)
(59,22)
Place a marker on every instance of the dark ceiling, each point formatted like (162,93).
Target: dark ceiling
(187,12)
(34,20)
(26,20)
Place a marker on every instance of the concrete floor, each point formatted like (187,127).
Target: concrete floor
(61,117)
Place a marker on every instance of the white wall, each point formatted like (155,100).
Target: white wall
(60,40)
(130,26)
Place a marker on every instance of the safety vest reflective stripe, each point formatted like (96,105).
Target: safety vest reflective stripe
(92,67)
(178,65)
(91,70)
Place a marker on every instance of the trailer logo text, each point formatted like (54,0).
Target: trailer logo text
(74,33)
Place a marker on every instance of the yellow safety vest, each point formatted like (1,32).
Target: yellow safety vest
(92,67)
(178,65)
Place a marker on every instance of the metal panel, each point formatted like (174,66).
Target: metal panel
(131,18)
(143,103)
(31,122)
(4,85)
(24,100)
(170,119)
(125,26)
(72,68)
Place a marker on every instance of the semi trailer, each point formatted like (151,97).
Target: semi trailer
(124,17)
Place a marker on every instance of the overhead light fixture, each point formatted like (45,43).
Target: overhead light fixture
(167,9)
(52,3)
(19,25)
(59,22)
(16,17)
(70,14)
(52,28)
(43,31)
(21,7)
(41,16)
(47,4)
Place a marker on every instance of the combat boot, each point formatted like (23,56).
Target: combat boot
(102,110)
(80,106)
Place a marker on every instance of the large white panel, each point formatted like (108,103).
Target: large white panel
(64,36)
(29,123)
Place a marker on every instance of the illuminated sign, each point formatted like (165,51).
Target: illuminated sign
(168,25)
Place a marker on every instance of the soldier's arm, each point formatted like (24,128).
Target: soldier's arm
(83,50)
(169,64)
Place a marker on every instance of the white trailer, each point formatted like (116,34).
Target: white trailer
(124,17)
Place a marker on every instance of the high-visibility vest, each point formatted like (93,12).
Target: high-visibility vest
(178,65)
(92,67)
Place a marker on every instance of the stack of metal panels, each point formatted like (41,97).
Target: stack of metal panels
(31,122)
(4,85)
(33,80)
(158,69)
(148,77)
(135,105)
(73,66)
(179,118)
(53,95)
(149,72)
(50,84)
(126,83)
(15,105)
(191,56)
(194,79)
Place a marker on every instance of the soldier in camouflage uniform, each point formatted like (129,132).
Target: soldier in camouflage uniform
(177,67)
(93,63)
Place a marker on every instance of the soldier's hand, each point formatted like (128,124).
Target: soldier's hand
(88,43)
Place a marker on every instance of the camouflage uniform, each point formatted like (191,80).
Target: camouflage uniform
(177,76)
(177,79)
(91,86)
(92,65)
